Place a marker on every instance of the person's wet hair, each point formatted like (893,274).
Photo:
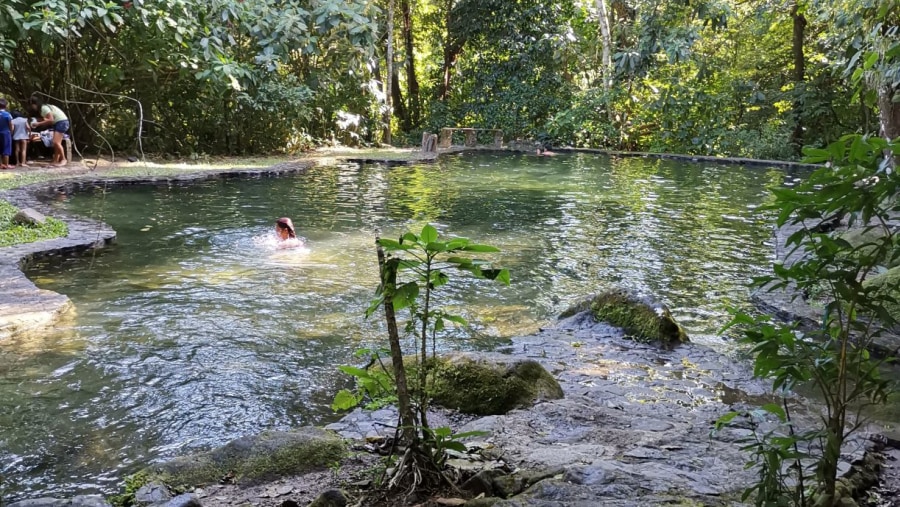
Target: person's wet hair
(285,223)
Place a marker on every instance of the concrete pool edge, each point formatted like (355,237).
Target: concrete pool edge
(24,307)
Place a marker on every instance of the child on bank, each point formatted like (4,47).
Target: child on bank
(21,134)
(5,135)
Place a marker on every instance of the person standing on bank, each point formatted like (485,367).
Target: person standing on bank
(54,117)
(21,135)
(6,129)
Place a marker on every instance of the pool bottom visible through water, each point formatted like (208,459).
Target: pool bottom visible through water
(193,329)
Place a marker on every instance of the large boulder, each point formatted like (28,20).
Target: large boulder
(642,318)
(887,284)
(491,384)
(865,241)
(250,459)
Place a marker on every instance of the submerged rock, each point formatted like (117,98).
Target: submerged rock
(642,318)
(250,459)
(491,384)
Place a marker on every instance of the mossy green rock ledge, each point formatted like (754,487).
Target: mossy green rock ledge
(251,459)
(491,384)
(887,284)
(642,318)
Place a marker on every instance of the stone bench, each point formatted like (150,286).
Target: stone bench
(471,136)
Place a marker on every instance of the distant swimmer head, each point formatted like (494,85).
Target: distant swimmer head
(285,228)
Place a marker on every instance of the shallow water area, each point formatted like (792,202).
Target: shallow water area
(195,328)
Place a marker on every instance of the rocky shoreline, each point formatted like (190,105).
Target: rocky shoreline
(635,426)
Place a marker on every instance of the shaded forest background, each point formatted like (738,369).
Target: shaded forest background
(756,78)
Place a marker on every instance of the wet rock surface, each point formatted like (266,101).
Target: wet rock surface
(635,426)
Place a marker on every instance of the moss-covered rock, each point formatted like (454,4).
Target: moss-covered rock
(642,318)
(251,459)
(887,284)
(491,384)
(865,240)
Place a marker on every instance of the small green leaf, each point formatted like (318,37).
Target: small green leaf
(725,419)
(429,234)
(344,400)
(775,409)
(353,370)
(405,295)
(443,431)
(456,319)
(455,446)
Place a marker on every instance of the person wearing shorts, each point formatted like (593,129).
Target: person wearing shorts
(51,116)
(5,135)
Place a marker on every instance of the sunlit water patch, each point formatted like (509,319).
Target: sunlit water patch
(195,328)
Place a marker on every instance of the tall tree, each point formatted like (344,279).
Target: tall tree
(389,73)
(797,40)
(414,111)
(606,43)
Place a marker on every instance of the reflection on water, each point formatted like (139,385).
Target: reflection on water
(192,331)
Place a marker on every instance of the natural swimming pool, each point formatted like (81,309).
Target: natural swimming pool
(189,332)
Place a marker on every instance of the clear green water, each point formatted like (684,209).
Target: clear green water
(191,331)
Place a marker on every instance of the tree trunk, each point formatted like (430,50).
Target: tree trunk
(799,76)
(397,100)
(412,83)
(452,48)
(389,73)
(606,42)
(889,114)
(388,286)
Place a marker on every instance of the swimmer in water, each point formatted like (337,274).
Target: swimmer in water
(287,236)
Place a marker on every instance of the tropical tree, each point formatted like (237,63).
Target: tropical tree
(199,68)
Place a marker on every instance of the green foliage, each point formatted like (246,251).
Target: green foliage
(214,76)
(14,234)
(374,384)
(440,440)
(834,359)
(775,453)
(710,77)
(133,483)
(589,121)
(427,274)
(412,273)
(513,73)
